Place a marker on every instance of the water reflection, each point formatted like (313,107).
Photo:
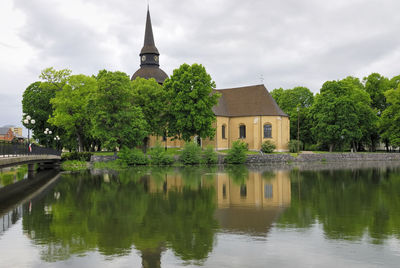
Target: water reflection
(153,212)
(348,203)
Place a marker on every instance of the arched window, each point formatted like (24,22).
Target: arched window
(223,131)
(242,132)
(267,131)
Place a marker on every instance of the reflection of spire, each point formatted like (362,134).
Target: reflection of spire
(151,257)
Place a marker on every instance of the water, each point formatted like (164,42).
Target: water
(212,217)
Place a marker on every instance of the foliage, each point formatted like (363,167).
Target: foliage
(159,157)
(268,147)
(341,113)
(115,215)
(78,156)
(152,99)
(289,101)
(294,146)
(74,165)
(71,108)
(191,99)
(133,156)
(237,154)
(376,85)
(209,156)
(390,124)
(117,164)
(36,103)
(117,122)
(191,154)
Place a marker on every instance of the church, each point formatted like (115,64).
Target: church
(246,113)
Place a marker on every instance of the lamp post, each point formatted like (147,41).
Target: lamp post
(28,121)
(47,132)
(298,130)
(57,139)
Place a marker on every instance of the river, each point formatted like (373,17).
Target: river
(286,216)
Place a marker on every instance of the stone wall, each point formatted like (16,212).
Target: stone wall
(324,157)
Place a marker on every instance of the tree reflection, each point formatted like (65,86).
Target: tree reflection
(112,213)
(348,203)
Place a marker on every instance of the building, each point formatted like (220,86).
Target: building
(6,134)
(17,130)
(246,113)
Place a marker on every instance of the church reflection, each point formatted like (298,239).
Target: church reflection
(249,206)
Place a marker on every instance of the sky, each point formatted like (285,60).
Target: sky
(279,43)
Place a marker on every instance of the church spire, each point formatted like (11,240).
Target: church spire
(149,46)
(149,56)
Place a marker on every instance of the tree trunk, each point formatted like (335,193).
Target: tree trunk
(80,142)
(330,147)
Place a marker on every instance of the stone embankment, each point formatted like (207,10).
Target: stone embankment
(323,157)
(301,158)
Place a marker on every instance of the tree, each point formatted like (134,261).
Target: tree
(376,85)
(289,101)
(191,99)
(116,120)
(71,108)
(342,114)
(152,99)
(390,124)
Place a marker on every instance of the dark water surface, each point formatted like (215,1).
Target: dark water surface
(211,217)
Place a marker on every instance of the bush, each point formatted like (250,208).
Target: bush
(74,165)
(133,156)
(190,154)
(237,154)
(293,145)
(79,156)
(267,147)
(159,157)
(313,147)
(210,156)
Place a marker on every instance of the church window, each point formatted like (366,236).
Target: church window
(223,131)
(242,132)
(267,131)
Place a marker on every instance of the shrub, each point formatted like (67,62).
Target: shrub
(133,156)
(267,147)
(237,154)
(79,156)
(190,154)
(74,165)
(159,157)
(210,156)
(293,145)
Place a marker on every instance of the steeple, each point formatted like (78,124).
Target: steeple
(149,46)
(149,56)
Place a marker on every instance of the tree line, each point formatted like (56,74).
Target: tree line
(347,114)
(110,111)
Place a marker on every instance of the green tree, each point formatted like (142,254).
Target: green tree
(116,120)
(390,123)
(191,99)
(71,108)
(152,99)
(296,103)
(376,85)
(341,113)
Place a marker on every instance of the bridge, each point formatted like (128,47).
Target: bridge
(19,154)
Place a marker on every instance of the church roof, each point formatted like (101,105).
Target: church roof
(149,46)
(246,101)
(148,72)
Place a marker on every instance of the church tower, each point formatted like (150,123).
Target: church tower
(150,57)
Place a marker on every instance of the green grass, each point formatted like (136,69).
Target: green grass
(115,165)
(74,165)
(103,153)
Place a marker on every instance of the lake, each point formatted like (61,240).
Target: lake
(321,215)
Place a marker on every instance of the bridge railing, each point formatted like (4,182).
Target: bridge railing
(15,149)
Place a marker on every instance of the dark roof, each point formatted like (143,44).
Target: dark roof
(246,101)
(149,46)
(4,130)
(151,72)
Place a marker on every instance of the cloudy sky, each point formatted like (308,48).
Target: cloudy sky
(281,43)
